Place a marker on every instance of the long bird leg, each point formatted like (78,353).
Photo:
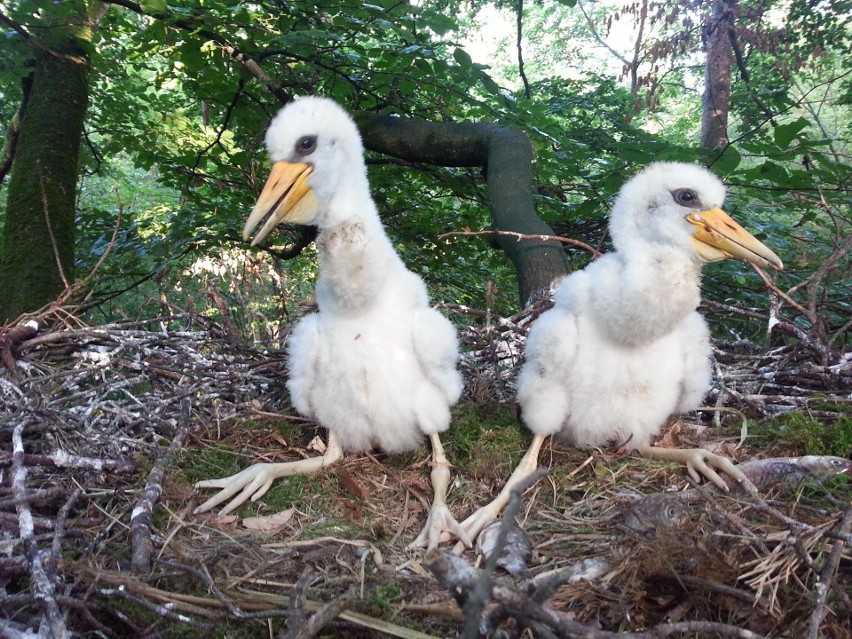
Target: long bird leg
(440,519)
(474,524)
(255,480)
(698,460)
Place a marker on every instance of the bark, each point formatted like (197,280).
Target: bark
(506,156)
(716,101)
(37,262)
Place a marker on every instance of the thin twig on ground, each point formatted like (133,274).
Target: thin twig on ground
(826,578)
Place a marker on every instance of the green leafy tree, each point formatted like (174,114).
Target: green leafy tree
(181,93)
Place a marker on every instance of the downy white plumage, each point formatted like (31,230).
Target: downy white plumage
(376,365)
(623,347)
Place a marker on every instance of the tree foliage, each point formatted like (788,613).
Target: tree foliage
(179,108)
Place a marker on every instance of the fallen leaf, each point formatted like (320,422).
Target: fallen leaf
(356,509)
(279,439)
(351,486)
(269,522)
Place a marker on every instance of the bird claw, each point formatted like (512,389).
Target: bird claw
(704,462)
(472,526)
(440,526)
(698,460)
(251,483)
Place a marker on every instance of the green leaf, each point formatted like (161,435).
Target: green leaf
(727,162)
(462,57)
(786,133)
(153,7)
(774,172)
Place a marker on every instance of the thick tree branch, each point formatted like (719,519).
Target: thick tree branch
(506,155)
(41,586)
(141,520)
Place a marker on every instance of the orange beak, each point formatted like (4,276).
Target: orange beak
(719,237)
(286,197)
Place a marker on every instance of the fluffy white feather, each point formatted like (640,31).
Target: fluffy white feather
(376,365)
(623,347)
(359,366)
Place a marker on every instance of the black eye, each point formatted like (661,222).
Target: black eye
(306,145)
(687,197)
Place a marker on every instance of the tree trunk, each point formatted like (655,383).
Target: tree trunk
(38,245)
(716,101)
(506,155)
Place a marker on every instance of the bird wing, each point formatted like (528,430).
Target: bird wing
(550,353)
(436,349)
(697,363)
(305,350)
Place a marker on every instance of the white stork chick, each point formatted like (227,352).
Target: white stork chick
(623,347)
(376,365)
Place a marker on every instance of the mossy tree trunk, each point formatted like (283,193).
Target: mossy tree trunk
(506,156)
(37,261)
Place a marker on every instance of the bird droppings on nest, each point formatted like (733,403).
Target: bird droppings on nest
(212,578)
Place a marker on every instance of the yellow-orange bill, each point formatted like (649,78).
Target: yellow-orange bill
(718,237)
(286,197)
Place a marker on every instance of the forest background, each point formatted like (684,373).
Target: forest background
(139,126)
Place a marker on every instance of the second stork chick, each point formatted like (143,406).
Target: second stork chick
(623,347)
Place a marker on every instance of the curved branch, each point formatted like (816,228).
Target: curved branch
(506,156)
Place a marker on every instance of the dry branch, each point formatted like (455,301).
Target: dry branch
(42,587)
(9,339)
(827,577)
(140,520)
(526,236)
(61,459)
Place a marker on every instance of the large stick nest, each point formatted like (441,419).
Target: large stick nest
(105,429)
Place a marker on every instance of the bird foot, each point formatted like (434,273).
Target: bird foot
(440,526)
(698,460)
(253,482)
(474,525)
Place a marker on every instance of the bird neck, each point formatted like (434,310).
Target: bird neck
(355,258)
(647,296)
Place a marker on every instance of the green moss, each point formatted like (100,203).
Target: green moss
(332,527)
(806,435)
(207,463)
(287,491)
(382,600)
(486,440)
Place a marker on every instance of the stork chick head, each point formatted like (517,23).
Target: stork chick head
(679,206)
(317,154)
